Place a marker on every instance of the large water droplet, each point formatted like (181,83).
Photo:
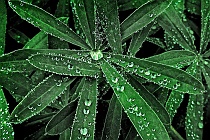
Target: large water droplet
(86,111)
(83,131)
(88,102)
(131,64)
(120,88)
(200,125)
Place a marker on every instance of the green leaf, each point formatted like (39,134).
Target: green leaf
(108,8)
(17,83)
(112,123)
(174,58)
(84,121)
(63,8)
(85,11)
(47,22)
(138,39)
(64,65)
(16,66)
(160,74)
(205,25)
(18,36)
(66,135)
(151,101)
(5,125)
(173,103)
(39,97)
(132,134)
(142,116)
(3,19)
(156,41)
(131,4)
(142,17)
(193,6)
(172,23)
(195,110)
(61,121)
(39,41)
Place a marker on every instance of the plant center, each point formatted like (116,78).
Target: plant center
(96,55)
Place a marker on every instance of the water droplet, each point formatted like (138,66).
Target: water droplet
(147,72)
(96,55)
(114,80)
(86,111)
(131,64)
(120,88)
(83,131)
(88,102)
(200,125)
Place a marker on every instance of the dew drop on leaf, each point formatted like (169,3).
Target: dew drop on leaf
(86,111)
(200,125)
(115,80)
(88,102)
(120,88)
(83,131)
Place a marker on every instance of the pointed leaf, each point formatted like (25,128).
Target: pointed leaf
(195,109)
(18,36)
(174,58)
(17,83)
(39,41)
(112,123)
(151,101)
(161,74)
(172,23)
(193,6)
(108,8)
(84,121)
(47,22)
(85,11)
(39,97)
(142,16)
(5,125)
(61,121)
(3,19)
(64,65)
(205,25)
(142,116)
(138,39)
(131,4)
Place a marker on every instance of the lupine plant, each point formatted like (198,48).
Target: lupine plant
(104,69)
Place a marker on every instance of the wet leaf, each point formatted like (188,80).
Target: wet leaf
(61,121)
(142,116)
(64,65)
(131,4)
(5,125)
(160,74)
(205,26)
(173,24)
(112,24)
(39,97)
(112,123)
(84,121)
(142,17)
(85,11)
(3,19)
(18,36)
(47,22)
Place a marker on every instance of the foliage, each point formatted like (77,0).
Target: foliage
(93,65)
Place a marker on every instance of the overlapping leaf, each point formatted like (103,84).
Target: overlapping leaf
(172,23)
(85,11)
(18,36)
(64,65)
(142,17)
(46,22)
(112,123)
(174,58)
(5,125)
(131,4)
(142,116)
(205,25)
(84,121)
(161,74)
(109,10)
(39,97)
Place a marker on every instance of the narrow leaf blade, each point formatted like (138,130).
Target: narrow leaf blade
(46,22)
(161,74)
(84,122)
(5,125)
(139,112)
(3,19)
(142,16)
(63,65)
(39,97)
